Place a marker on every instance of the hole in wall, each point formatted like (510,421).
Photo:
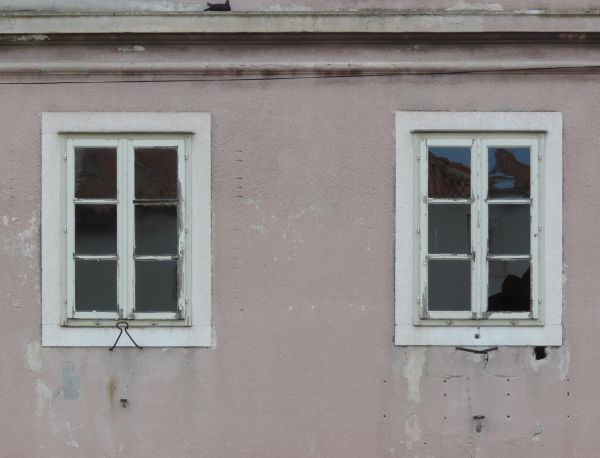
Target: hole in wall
(539,352)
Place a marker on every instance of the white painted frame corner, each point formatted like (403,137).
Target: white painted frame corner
(55,127)
(407,219)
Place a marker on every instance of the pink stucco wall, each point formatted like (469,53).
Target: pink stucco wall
(303,363)
(298,5)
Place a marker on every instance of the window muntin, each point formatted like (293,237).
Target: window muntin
(478,234)
(125,213)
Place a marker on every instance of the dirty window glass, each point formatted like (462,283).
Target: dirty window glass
(449,228)
(156,173)
(96,285)
(96,173)
(155,286)
(449,285)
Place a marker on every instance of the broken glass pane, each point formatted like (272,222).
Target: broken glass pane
(509,172)
(95,229)
(509,229)
(95,286)
(509,288)
(96,173)
(449,172)
(449,285)
(156,173)
(449,228)
(155,286)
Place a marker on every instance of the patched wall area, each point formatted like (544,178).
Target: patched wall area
(303,361)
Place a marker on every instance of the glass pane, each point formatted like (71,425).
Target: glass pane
(156,173)
(156,286)
(95,286)
(96,173)
(509,288)
(155,230)
(95,229)
(449,228)
(508,172)
(509,229)
(449,285)
(449,172)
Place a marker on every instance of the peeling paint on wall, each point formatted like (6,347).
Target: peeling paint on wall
(135,48)
(413,430)
(45,395)
(412,371)
(71,442)
(467,6)
(28,238)
(33,356)
(70,383)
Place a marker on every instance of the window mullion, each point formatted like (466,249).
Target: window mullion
(482,265)
(476,228)
(124,278)
(130,209)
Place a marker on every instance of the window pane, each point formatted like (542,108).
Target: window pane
(95,286)
(509,287)
(96,173)
(449,172)
(509,228)
(509,172)
(95,229)
(449,285)
(156,173)
(449,228)
(155,230)
(156,286)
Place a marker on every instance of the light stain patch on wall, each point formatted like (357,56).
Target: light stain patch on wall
(412,429)
(33,356)
(45,395)
(412,371)
(70,383)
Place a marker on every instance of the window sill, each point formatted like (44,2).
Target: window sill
(54,335)
(547,335)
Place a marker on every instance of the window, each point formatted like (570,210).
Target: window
(126,228)
(480,261)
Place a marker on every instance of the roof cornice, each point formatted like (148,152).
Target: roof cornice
(327,22)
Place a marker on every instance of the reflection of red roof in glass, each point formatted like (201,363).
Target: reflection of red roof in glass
(448,179)
(508,165)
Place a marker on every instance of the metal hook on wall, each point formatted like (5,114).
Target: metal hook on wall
(123,326)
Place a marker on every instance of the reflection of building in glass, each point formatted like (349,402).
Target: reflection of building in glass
(447,178)
(509,176)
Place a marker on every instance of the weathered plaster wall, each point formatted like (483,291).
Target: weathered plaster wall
(295,5)
(303,235)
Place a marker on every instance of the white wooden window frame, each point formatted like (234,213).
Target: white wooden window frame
(190,132)
(542,131)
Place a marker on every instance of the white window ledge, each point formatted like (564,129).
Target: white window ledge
(55,332)
(407,331)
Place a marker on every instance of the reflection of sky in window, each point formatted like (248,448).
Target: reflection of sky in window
(453,154)
(520,154)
